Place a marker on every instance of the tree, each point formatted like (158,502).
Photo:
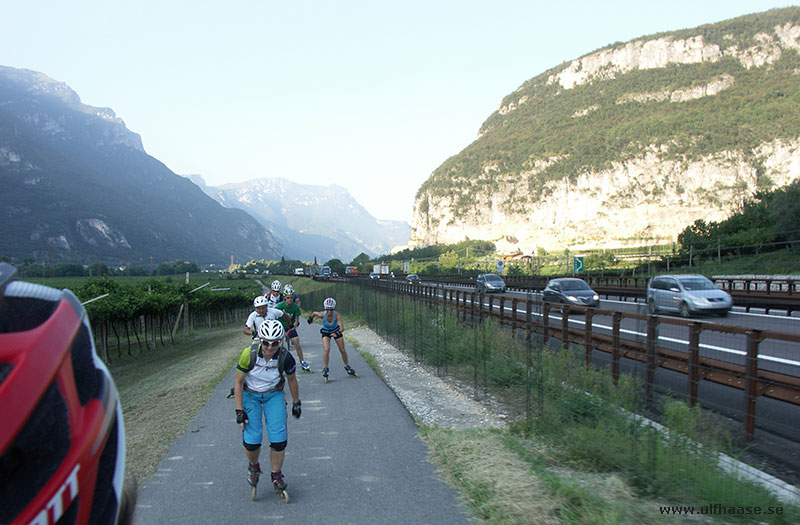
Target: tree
(336,266)
(361,258)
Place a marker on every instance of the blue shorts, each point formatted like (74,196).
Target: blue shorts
(273,407)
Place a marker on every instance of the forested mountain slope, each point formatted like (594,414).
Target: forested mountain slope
(629,143)
(78,186)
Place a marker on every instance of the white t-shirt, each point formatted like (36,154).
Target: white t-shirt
(254,320)
(263,376)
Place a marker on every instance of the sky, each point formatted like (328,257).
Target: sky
(369,95)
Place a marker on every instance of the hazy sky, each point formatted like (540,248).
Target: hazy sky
(370,95)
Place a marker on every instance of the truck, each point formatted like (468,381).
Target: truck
(324,272)
(351,270)
(298,271)
(381,269)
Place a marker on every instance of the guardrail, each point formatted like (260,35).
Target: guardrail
(769,293)
(748,377)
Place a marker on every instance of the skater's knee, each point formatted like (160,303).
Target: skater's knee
(251,448)
(278,447)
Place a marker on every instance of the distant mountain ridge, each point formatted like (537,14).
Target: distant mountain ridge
(628,144)
(77,185)
(311,221)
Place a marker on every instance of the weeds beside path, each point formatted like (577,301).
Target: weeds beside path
(162,391)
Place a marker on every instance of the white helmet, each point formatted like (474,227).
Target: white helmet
(260,301)
(329,303)
(276,286)
(271,330)
(288,290)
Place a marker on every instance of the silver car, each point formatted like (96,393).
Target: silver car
(687,295)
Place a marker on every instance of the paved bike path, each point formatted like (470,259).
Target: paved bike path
(353,457)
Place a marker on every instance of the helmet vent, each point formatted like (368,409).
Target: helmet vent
(5,369)
(36,453)
(88,379)
(104,503)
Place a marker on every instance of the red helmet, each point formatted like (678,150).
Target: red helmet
(62,440)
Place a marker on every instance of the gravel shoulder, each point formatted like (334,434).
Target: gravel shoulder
(432,400)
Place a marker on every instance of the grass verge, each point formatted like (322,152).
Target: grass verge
(366,356)
(162,391)
(506,478)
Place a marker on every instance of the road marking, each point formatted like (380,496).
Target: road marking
(672,340)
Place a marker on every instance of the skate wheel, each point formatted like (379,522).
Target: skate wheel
(325,379)
(285,495)
(253,493)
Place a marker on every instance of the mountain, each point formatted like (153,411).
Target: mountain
(77,185)
(628,144)
(310,221)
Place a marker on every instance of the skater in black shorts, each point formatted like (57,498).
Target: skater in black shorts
(331,328)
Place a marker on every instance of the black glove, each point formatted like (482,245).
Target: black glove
(310,320)
(296,409)
(241,417)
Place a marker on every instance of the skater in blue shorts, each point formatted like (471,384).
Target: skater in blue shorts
(261,372)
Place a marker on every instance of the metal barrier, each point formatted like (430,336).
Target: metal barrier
(749,292)
(742,373)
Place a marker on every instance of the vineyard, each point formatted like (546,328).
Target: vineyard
(133,314)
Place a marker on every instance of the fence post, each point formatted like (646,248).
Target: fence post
(751,383)
(565,327)
(514,302)
(694,361)
(528,340)
(545,324)
(616,318)
(650,345)
(588,341)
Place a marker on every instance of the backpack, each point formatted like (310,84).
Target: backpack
(254,347)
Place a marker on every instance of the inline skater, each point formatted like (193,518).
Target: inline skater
(261,372)
(261,313)
(274,294)
(331,327)
(289,306)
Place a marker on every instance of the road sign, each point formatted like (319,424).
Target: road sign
(500,265)
(406,266)
(577,265)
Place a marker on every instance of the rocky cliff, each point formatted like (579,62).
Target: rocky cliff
(628,144)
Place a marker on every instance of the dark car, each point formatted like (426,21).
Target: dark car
(570,291)
(489,282)
(412,278)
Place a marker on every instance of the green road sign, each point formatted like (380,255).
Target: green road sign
(577,264)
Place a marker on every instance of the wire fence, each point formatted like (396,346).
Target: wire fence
(609,417)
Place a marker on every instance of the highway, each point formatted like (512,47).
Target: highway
(776,421)
(775,356)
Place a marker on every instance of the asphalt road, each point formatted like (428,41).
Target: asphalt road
(353,457)
(776,356)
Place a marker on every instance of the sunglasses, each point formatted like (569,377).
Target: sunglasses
(270,345)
